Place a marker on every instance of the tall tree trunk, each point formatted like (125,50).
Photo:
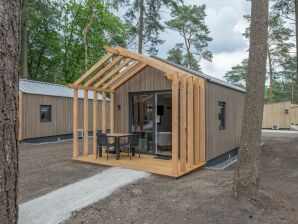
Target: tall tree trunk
(141,27)
(85,32)
(24,44)
(296,18)
(188,53)
(292,92)
(270,76)
(9,70)
(247,175)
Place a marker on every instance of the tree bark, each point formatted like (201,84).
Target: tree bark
(9,69)
(247,175)
(141,27)
(85,32)
(24,44)
(296,18)
(270,76)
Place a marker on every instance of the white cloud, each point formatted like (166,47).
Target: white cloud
(225,31)
(226,23)
(223,62)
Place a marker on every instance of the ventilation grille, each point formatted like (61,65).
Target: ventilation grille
(80,133)
(275,127)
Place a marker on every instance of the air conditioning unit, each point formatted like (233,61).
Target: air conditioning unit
(80,133)
(275,127)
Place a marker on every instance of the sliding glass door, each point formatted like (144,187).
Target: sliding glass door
(142,117)
(150,115)
(164,124)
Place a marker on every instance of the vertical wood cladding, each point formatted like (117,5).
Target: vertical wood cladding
(62,116)
(222,141)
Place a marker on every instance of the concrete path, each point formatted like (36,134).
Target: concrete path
(57,206)
(280,131)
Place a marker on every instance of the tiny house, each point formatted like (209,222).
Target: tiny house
(45,111)
(280,115)
(182,115)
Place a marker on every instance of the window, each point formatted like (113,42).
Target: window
(222,115)
(45,113)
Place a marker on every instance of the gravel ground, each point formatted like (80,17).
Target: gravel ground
(205,196)
(201,197)
(47,167)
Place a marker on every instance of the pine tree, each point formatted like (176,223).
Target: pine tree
(237,74)
(146,21)
(189,22)
(247,175)
(288,9)
(175,55)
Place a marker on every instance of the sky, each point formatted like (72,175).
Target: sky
(226,24)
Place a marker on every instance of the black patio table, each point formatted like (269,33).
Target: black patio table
(117,137)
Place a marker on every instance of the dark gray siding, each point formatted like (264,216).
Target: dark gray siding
(219,142)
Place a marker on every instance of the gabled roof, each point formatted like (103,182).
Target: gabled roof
(50,89)
(207,77)
(120,64)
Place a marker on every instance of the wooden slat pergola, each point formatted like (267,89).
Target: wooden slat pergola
(120,65)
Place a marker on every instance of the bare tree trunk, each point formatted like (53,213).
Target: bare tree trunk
(270,76)
(296,18)
(292,92)
(9,70)
(85,32)
(24,44)
(187,46)
(247,175)
(141,27)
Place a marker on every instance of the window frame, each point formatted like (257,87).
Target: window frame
(50,111)
(222,116)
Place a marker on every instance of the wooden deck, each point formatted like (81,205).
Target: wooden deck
(146,163)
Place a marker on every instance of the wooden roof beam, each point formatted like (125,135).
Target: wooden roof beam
(93,68)
(89,88)
(113,72)
(104,70)
(129,76)
(163,66)
(118,76)
(145,59)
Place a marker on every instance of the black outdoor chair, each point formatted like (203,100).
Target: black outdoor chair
(107,131)
(133,142)
(103,140)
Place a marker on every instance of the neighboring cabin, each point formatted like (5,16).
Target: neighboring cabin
(197,117)
(46,111)
(280,115)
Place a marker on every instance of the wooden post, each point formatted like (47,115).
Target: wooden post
(190,123)
(94,122)
(103,113)
(183,124)
(86,122)
(112,112)
(196,121)
(20,116)
(175,131)
(202,122)
(75,124)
